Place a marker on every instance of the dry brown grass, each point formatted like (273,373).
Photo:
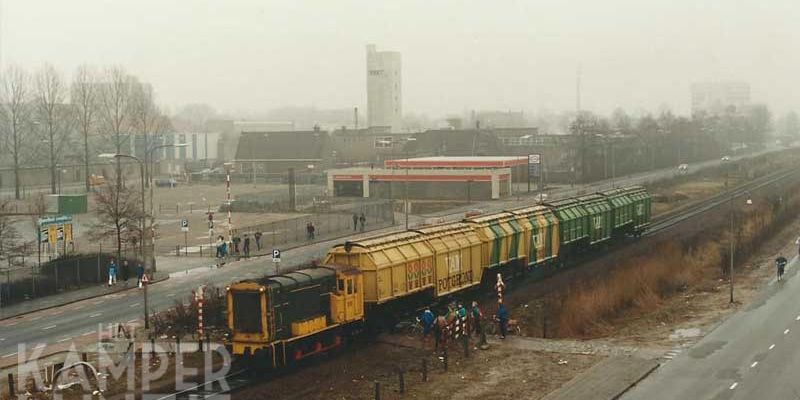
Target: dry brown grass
(669,267)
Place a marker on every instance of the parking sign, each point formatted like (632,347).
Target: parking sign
(276,255)
(184,225)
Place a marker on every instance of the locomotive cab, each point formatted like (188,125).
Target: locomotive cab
(285,318)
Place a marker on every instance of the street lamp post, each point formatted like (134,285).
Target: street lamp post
(141,233)
(748,202)
(405,181)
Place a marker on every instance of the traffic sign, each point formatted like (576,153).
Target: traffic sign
(534,158)
(185,225)
(145,279)
(276,255)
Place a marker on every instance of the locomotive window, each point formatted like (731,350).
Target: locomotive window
(341,285)
(350,286)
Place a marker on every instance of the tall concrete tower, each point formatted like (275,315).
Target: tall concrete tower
(384,88)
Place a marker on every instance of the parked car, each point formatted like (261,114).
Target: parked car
(170,183)
(726,158)
(683,168)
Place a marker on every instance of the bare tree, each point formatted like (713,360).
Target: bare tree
(8,232)
(15,96)
(114,111)
(84,98)
(51,113)
(119,213)
(145,118)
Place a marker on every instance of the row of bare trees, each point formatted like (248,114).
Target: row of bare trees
(44,116)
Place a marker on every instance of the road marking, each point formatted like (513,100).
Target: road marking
(88,333)
(786,331)
(40,346)
(772,347)
(735,384)
(134,305)
(48,327)
(64,339)
(753,365)
(35,318)
(77,308)
(11,324)
(96,315)
(9,355)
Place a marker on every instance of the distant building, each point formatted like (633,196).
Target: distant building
(384,89)
(716,97)
(499,119)
(260,153)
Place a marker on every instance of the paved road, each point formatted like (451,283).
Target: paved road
(754,354)
(59,324)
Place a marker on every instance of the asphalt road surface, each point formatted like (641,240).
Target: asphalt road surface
(65,323)
(754,354)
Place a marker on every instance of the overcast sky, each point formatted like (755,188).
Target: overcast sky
(457,55)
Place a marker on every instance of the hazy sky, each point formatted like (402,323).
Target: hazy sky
(457,55)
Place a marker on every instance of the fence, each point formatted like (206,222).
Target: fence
(294,231)
(23,282)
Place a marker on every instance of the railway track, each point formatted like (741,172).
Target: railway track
(675,217)
(214,389)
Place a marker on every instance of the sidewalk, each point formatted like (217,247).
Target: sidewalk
(90,292)
(606,380)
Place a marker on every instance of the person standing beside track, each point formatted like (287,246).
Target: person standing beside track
(502,319)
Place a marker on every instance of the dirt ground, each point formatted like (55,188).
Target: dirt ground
(672,197)
(502,372)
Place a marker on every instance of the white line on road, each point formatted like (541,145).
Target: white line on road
(735,384)
(134,305)
(88,333)
(753,365)
(786,331)
(35,318)
(64,339)
(40,346)
(77,308)
(772,347)
(48,327)
(9,355)
(96,315)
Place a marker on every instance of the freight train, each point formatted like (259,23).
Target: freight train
(279,320)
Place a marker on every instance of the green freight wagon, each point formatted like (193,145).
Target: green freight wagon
(621,211)
(573,223)
(641,208)
(599,210)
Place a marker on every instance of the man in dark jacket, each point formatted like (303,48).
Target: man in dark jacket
(502,319)
(355,222)
(246,246)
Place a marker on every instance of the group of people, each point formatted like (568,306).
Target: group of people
(123,272)
(472,321)
(237,246)
(359,220)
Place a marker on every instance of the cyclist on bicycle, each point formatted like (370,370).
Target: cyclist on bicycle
(780,263)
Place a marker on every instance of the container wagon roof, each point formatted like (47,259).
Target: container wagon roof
(480,219)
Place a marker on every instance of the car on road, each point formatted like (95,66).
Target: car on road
(683,168)
(726,158)
(170,183)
